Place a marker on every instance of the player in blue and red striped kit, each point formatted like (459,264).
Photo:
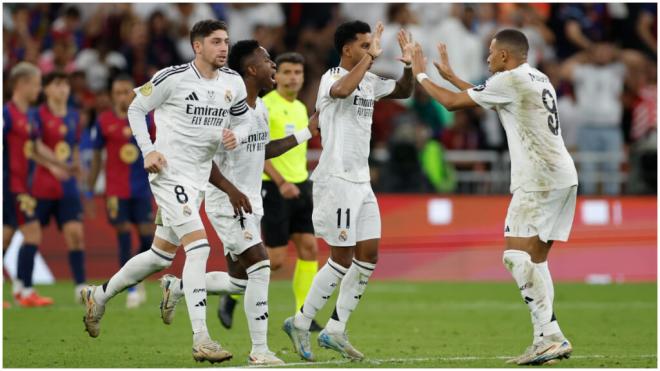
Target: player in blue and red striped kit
(59,127)
(128,197)
(20,146)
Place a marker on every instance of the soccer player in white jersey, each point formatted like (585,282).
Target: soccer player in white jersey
(193,104)
(543,176)
(247,258)
(346,212)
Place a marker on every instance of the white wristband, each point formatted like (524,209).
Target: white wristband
(421,76)
(302,135)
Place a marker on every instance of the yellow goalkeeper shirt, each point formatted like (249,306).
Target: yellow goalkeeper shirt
(285,118)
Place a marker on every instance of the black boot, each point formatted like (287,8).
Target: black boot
(226,311)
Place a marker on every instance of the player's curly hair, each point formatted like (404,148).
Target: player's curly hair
(239,52)
(347,32)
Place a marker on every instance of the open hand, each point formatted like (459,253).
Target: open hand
(239,202)
(418,60)
(406,44)
(374,49)
(443,66)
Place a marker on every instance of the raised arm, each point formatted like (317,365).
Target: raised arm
(345,86)
(451,100)
(447,72)
(404,86)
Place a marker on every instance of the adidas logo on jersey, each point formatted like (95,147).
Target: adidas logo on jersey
(192,96)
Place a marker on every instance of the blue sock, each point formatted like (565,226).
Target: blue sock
(124,247)
(77,263)
(145,242)
(26,263)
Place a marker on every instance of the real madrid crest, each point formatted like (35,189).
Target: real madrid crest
(247,236)
(146,89)
(228,96)
(343,235)
(186,210)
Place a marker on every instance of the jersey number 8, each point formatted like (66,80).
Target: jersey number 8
(181,195)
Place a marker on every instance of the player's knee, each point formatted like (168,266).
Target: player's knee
(308,252)
(343,260)
(259,272)
(31,233)
(198,250)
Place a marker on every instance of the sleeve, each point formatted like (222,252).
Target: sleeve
(239,117)
(148,97)
(98,139)
(382,86)
(6,120)
(496,91)
(324,97)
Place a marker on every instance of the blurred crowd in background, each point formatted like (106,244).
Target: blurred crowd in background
(601,58)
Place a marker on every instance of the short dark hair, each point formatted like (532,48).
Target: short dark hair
(239,52)
(55,75)
(290,57)
(204,28)
(122,77)
(514,40)
(347,32)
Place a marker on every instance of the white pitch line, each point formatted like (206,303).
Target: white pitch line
(426,359)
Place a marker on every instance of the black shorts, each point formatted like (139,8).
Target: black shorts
(283,217)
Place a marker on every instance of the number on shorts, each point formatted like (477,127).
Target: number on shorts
(348,218)
(181,195)
(553,118)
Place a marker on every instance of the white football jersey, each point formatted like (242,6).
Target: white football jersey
(526,103)
(346,126)
(190,113)
(243,166)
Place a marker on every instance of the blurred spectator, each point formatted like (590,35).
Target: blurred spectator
(578,26)
(598,78)
(61,56)
(70,22)
(244,17)
(467,52)
(540,37)
(136,53)
(100,64)
(182,17)
(643,133)
(162,51)
(20,43)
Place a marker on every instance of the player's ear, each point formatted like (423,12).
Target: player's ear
(251,70)
(346,50)
(197,46)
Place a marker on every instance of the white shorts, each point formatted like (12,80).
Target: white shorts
(237,235)
(548,214)
(345,212)
(178,202)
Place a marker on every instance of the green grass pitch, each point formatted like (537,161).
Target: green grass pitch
(398,324)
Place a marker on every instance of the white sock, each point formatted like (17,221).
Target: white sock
(256,304)
(194,283)
(553,326)
(532,288)
(219,283)
(135,270)
(16,286)
(324,284)
(350,292)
